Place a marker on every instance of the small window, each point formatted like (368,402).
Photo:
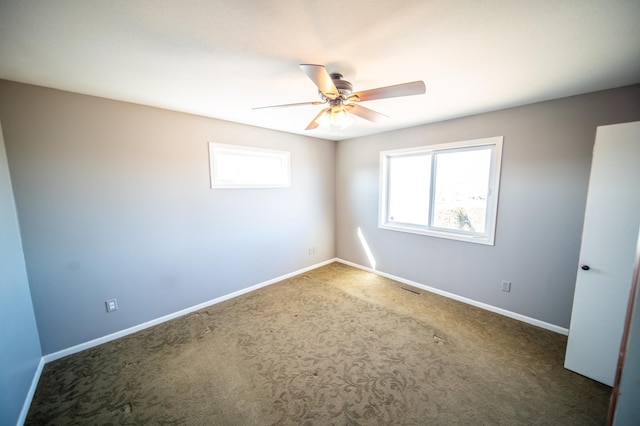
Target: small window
(448,190)
(234,166)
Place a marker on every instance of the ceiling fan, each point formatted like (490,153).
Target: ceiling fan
(337,93)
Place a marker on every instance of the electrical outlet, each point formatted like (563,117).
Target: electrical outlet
(506,286)
(312,251)
(112,305)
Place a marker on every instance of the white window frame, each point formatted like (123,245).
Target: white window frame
(245,176)
(487,237)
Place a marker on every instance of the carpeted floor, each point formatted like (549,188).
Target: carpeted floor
(334,346)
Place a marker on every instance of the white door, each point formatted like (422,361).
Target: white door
(607,253)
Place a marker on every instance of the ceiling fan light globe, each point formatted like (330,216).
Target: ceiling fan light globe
(335,118)
(340,118)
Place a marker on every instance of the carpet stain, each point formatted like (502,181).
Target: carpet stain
(438,340)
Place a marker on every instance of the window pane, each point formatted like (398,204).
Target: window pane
(247,167)
(408,183)
(462,190)
(447,190)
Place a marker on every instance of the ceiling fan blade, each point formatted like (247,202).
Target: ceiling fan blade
(405,89)
(366,113)
(314,123)
(321,78)
(290,105)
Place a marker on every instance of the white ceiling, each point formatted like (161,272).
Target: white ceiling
(220,58)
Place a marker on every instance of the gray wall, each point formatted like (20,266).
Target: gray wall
(545,170)
(20,347)
(114,201)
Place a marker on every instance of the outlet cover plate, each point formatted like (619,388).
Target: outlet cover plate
(112,305)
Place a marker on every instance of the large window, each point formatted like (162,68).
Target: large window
(234,166)
(447,190)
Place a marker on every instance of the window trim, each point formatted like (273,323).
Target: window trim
(488,237)
(216,149)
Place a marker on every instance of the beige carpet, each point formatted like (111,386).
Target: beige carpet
(334,346)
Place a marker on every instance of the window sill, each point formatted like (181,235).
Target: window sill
(469,238)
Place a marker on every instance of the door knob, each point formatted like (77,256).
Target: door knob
(585,267)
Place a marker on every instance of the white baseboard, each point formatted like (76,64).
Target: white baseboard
(104,339)
(32,390)
(516,316)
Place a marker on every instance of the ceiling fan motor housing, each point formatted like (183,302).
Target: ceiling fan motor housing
(344,87)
